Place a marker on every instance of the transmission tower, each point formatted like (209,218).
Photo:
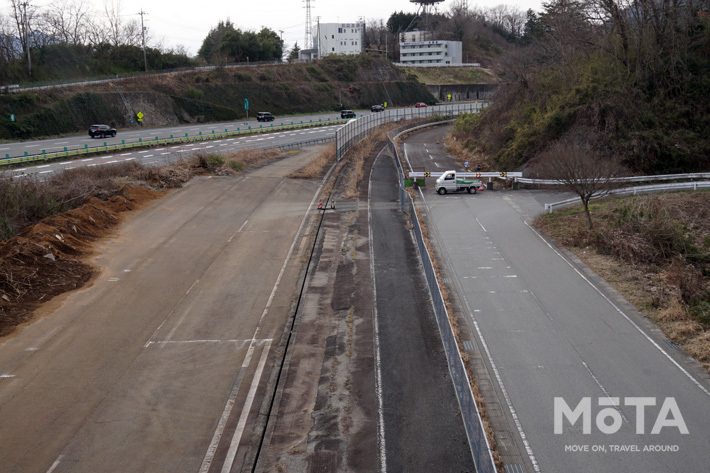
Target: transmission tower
(308,42)
(424,11)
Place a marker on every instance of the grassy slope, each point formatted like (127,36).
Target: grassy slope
(453,75)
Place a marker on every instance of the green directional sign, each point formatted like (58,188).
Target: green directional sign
(246,104)
(12,117)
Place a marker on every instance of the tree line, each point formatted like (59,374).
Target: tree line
(622,80)
(69,39)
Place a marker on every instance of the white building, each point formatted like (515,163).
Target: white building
(430,53)
(339,38)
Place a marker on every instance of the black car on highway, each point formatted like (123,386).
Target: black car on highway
(101,130)
(377,108)
(265,117)
(347,114)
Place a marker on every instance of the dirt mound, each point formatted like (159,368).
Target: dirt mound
(48,258)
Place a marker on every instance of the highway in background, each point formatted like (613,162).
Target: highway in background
(161,155)
(551,331)
(136,134)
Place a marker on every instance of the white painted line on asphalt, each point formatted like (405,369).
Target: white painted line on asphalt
(239,230)
(109,162)
(31,146)
(55,464)
(141,152)
(4,148)
(236,438)
(163,154)
(615,405)
(152,337)
(61,142)
(43,166)
(125,154)
(45,172)
(148,156)
(484,228)
(85,160)
(378,363)
(43,340)
(160,149)
(5,375)
(618,310)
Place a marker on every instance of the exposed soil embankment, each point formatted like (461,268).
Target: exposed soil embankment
(47,258)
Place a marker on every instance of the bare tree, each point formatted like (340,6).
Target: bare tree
(580,170)
(67,21)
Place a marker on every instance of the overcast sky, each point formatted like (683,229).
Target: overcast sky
(188,23)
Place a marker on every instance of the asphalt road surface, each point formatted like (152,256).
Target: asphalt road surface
(157,156)
(423,430)
(159,364)
(553,332)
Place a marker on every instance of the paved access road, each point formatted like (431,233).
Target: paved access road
(551,329)
(160,364)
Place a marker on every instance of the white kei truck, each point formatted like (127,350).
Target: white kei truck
(449,182)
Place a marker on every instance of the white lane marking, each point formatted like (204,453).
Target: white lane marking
(31,146)
(615,405)
(3,375)
(236,438)
(209,455)
(61,142)
(378,363)
(152,337)
(55,464)
(45,172)
(628,319)
(125,154)
(43,166)
(110,162)
(494,367)
(148,156)
(484,228)
(43,340)
(85,160)
(164,153)
(141,152)
(238,231)
(216,341)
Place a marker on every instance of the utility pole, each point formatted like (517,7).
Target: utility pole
(145,59)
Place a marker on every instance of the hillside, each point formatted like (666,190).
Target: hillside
(213,95)
(638,97)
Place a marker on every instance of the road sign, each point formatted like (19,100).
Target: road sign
(449,97)
(12,117)
(385,105)
(246,104)
(140,116)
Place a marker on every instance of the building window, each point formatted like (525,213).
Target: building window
(333,49)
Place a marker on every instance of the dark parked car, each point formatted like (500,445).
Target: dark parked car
(101,130)
(347,114)
(265,117)
(377,108)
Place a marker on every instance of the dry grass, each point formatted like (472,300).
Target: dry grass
(317,167)
(654,250)
(474,157)
(233,163)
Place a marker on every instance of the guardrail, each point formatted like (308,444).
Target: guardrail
(675,186)
(44,156)
(473,424)
(659,177)
(357,129)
